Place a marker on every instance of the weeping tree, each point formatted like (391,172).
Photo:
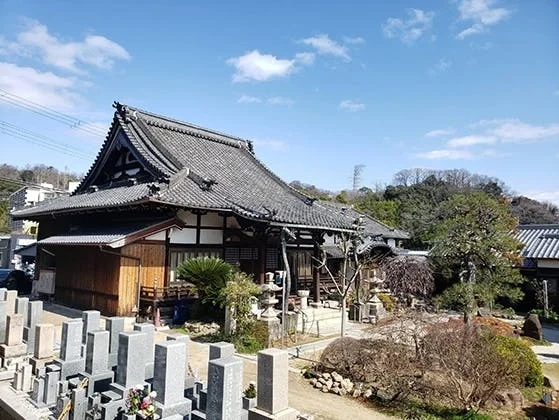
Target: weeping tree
(408,275)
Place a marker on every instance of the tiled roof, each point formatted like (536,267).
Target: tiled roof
(94,200)
(372,227)
(113,236)
(200,168)
(540,241)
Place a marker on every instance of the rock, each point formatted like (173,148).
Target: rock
(318,385)
(337,377)
(326,375)
(368,393)
(336,384)
(313,381)
(385,395)
(347,385)
(356,393)
(324,389)
(328,384)
(322,381)
(532,327)
(343,392)
(508,398)
(305,417)
(335,390)
(550,382)
(483,312)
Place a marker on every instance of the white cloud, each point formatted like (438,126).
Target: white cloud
(305,58)
(549,196)
(481,14)
(44,88)
(440,132)
(409,29)
(467,141)
(477,28)
(280,100)
(95,50)
(277,145)
(354,40)
(246,99)
(260,67)
(351,106)
(516,131)
(442,65)
(326,46)
(445,154)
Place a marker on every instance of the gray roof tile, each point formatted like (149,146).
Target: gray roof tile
(540,241)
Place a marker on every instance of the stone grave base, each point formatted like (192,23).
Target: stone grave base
(39,363)
(182,408)
(16,350)
(69,368)
(287,414)
(99,382)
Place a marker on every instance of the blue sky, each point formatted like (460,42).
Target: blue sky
(318,86)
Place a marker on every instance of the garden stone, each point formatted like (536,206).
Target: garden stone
(532,327)
(368,393)
(325,389)
(318,385)
(312,381)
(356,393)
(326,375)
(337,377)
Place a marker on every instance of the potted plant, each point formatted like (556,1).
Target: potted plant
(140,403)
(249,397)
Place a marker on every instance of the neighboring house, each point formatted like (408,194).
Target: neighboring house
(162,191)
(30,195)
(541,256)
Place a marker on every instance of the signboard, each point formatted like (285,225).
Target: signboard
(45,284)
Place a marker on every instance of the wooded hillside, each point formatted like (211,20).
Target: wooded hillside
(35,174)
(413,200)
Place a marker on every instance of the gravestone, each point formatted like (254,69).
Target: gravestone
(96,362)
(221,350)
(272,387)
(130,358)
(225,381)
(169,377)
(21,307)
(91,321)
(148,349)
(34,317)
(51,384)
(11,296)
(71,361)
(114,325)
(43,352)
(15,350)
(532,327)
(22,377)
(3,315)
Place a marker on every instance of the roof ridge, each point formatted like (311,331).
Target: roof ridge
(234,140)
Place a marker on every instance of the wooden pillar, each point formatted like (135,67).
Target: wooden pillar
(262,261)
(316,272)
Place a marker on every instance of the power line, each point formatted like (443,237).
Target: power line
(47,112)
(43,141)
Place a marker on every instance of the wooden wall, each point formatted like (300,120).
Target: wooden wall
(87,278)
(152,257)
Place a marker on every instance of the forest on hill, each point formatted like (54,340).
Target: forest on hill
(414,199)
(13,178)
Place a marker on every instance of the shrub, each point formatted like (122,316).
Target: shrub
(209,276)
(520,354)
(250,392)
(236,296)
(387,301)
(454,298)
(465,368)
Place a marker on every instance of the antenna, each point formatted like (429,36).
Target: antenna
(357,172)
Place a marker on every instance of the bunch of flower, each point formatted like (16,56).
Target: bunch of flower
(140,401)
